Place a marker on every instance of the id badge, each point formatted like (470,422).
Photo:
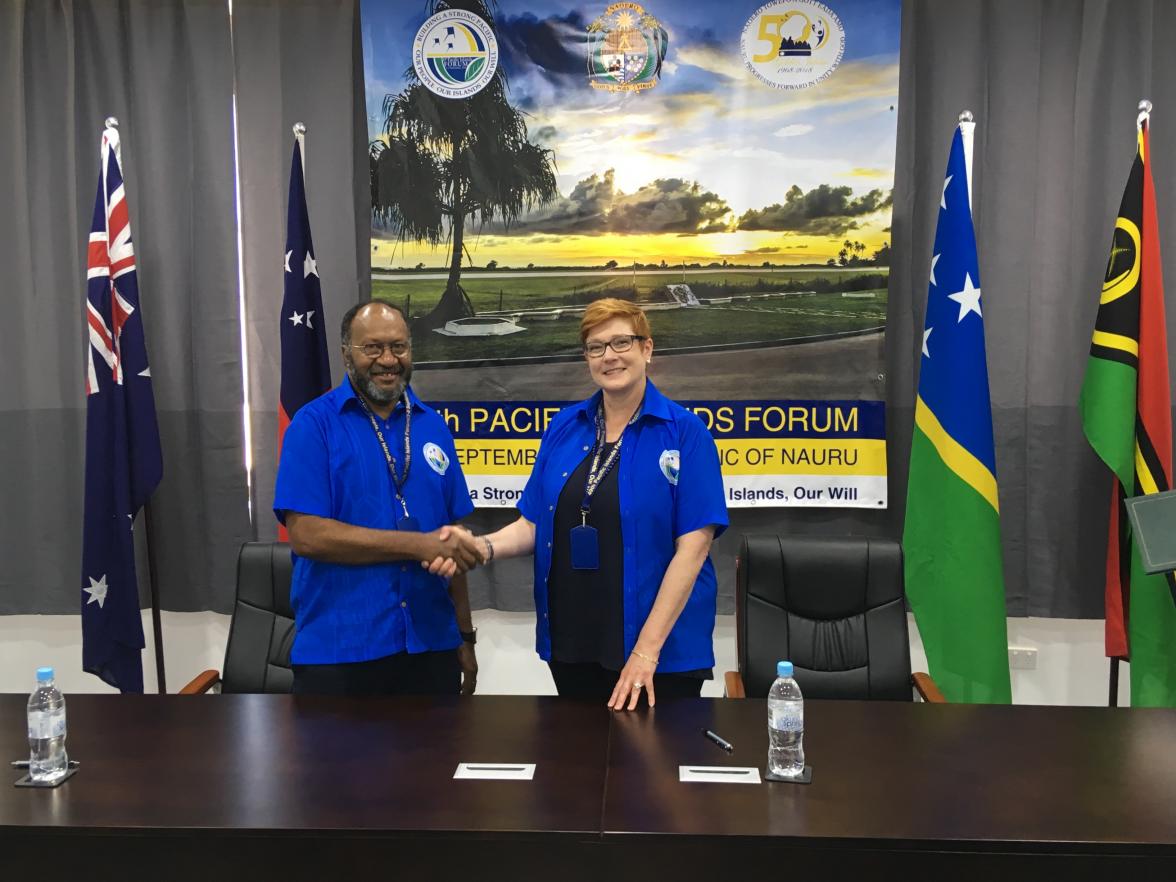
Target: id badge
(585,548)
(408,523)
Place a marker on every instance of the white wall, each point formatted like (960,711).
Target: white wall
(193,642)
(1070,665)
(1071,668)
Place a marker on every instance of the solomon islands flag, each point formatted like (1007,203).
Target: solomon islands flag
(951,541)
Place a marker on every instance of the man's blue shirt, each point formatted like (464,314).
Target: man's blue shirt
(670,483)
(333,467)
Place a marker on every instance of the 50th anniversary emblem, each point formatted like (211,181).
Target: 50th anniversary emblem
(793,45)
(455,54)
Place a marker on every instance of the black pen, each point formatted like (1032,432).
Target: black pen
(24,764)
(719,740)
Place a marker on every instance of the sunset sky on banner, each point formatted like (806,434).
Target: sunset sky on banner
(709,142)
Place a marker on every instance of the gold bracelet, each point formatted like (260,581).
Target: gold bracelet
(644,657)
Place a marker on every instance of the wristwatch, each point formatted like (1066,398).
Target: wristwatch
(469,636)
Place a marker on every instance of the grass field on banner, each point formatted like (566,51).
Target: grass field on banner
(755,311)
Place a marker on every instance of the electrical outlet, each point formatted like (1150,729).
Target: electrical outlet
(1023,658)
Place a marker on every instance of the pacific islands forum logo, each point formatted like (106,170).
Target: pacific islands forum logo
(793,45)
(455,54)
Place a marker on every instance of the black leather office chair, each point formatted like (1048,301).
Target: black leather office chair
(257,658)
(834,608)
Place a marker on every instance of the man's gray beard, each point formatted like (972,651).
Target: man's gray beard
(373,392)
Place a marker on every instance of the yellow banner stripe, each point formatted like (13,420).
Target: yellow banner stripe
(1116,341)
(803,456)
(955,456)
(742,456)
(1143,474)
(497,456)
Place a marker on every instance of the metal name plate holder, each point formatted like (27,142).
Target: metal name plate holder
(719,774)
(495,771)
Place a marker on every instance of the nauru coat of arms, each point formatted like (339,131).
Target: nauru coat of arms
(626,48)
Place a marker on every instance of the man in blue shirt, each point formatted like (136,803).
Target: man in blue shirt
(368,482)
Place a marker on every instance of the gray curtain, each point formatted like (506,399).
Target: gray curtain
(164,69)
(297,62)
(1054,86)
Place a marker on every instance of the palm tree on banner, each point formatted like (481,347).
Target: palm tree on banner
(446,162)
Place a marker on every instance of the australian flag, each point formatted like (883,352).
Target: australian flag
(124,462)
(306,370)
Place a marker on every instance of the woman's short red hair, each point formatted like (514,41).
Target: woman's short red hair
(609,308)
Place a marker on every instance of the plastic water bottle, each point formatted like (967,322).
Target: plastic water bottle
(47,759)
(785,724)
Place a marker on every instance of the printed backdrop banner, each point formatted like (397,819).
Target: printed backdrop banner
(773,452)
(729,167)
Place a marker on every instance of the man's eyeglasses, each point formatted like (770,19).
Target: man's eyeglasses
(375,350)
(624,343)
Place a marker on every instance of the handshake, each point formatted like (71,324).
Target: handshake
(452,550)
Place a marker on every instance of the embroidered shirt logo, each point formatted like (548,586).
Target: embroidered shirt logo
(436,458)
(669,462)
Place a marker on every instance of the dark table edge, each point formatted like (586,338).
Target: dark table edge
(17,831)
(953,846)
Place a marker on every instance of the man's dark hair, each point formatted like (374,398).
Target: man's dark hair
(349,317)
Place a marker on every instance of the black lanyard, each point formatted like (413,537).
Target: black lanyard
(397,481)
(596,471)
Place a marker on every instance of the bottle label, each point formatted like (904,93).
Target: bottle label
(788,720)
(46,725)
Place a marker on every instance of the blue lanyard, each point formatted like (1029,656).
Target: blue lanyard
(596,471)
(397,481)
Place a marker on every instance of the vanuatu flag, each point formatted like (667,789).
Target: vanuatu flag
(951,541)
(1127,420)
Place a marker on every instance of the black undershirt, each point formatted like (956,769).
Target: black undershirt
(586,608)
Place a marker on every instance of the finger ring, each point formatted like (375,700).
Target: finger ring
(638,685)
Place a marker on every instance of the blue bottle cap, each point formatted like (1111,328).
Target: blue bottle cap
(44,674)
(784,669)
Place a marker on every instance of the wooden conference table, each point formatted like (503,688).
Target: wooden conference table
(280,787)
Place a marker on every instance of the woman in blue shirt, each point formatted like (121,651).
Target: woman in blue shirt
(620,511)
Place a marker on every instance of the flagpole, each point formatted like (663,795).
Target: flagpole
(299,130)
(967,128)
(111,122)
(1144,116)
(152,574)
(300,137)
(153,580)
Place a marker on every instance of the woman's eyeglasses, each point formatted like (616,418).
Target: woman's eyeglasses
(623,343)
